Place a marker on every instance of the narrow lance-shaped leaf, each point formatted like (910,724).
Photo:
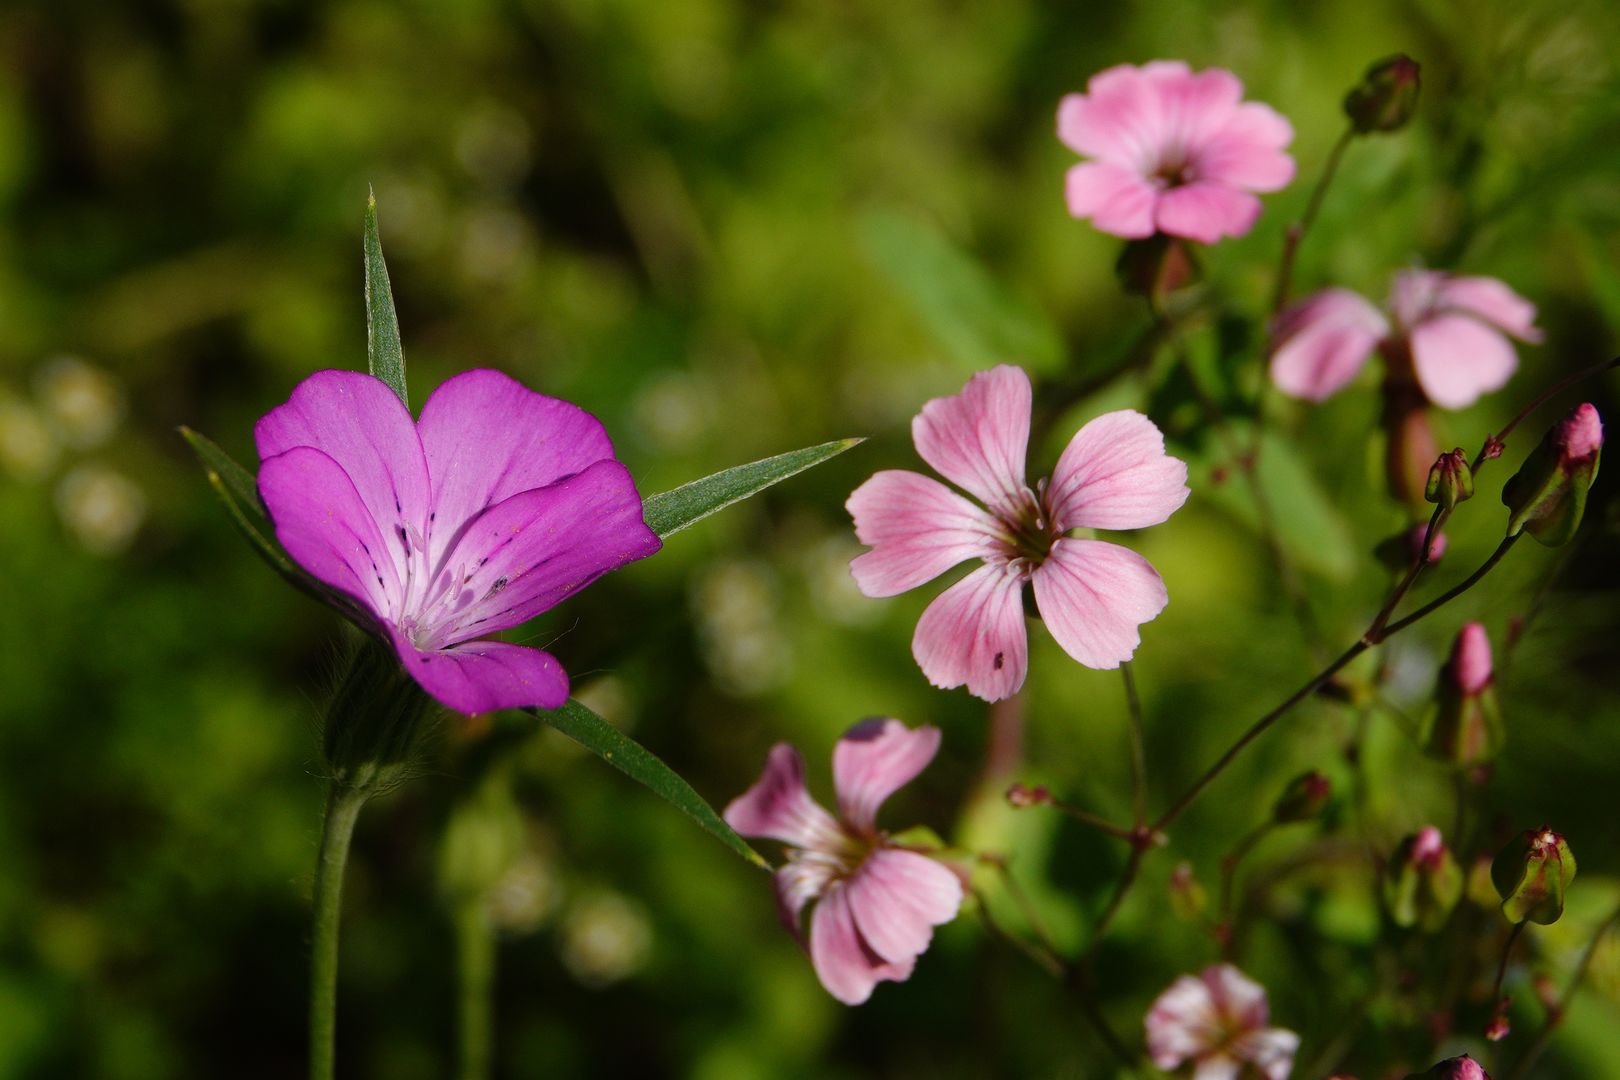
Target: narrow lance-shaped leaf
(671,511)
(640,764)
(240,482)
(384,353)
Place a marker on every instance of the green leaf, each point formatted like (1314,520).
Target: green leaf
(240,482)
(384,353)
(977,321)
(635,761)
(671,511)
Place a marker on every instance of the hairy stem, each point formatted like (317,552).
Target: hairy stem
(343,805)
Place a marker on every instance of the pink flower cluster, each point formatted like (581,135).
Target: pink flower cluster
(1218,1021)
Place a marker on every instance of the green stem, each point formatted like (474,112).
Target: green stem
(475,973)
(1297,231)
(342,810)
(1133,704)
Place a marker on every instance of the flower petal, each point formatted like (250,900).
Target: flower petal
(845,964)
(326,527)
(797,882)
(977,439)
(1114,474)
(1118,119)
(1247,152)
(1205,212)
(779,806)
(482,676)
(534,550)
(360,423)
(488,437)
(1181,1023)
(1458,358)
(1491,300)
(918,529)
(897,898)
(973,633)
(1271,1050)
(1115,197)
(1322,342)
(1236,996)
(1195,106)
(873,760)
(1093,596)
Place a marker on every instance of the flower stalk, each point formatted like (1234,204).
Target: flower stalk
(343,805)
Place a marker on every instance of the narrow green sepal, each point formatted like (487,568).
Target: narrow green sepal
(385,355)
(378,721)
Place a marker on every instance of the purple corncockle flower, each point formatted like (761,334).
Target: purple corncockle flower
(1092,595)
(1218,1021)
(876,903)
(496,506)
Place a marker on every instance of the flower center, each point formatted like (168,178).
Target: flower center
(1028,532)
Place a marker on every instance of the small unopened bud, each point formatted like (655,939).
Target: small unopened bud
(1305,797)
(1422,882)
(1023,797)
(1547,496)
(1531,876)
(1156,266)
(377,722)
(1386,97)
(1398,552)
(1187,896)
(1498,1028)
(1457,1068)
(1451,481)
(1467,726)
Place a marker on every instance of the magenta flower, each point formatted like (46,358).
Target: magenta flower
(1091,594)
(1172,152)
(1218,1022)
(497,505)
(1448,333)
(876,903)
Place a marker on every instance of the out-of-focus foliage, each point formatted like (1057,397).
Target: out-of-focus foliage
(733,229)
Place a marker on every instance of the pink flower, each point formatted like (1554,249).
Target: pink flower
(1428,848)
(1470,664)
(1579,436)
(876,903)
(497,505)
(1172,152)
(1450,331)
(1217,1021)
(1092,595)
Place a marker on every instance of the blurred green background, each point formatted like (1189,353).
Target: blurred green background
(731,229)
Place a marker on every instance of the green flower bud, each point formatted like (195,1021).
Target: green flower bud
(376,722)
(1305,797)
(1531,876)
(1466,729)
(1156,266)
(1451,481)
(1187,896)
(1386,97)
(1422,882)
(1547,495)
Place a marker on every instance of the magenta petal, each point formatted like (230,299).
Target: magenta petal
(845,964)
(325,526)
(360,424)
(977,439)
(1322,342)
(1114,474)
(1205,212)
(1458,358)
(1093,595)
(1492,301)
(482,676)
(898,897)
(973,633)
(536,549)
(918,529)
(873,760)
(779,806)
(1115,197)
(487,437)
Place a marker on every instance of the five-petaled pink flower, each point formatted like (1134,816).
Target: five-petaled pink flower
(1091,594)
(876,904)
(1444,331)
(497,505)
(1172,151)
(1218,1021)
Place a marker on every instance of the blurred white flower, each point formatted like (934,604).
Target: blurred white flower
(606,938)
(674,410)
(735,606)
(832,586)
(523,899)
(84,403)
(101,508)
(28,450)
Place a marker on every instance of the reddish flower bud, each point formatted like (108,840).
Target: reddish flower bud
(1547,495)
(1457,1068)
(1466,728)
(1531,876)
(1422,882)
(1386,97)
(1187,896)
(1305,797)
(1399,551)
(1022,797)
(1498,1028)
(1451,481)
(1156,266)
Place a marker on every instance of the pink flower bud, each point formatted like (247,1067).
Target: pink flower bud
(1580,435)
(1422,882)
(1428,849)
(1305,797)
(1457,1068)
(1022,797)
(1547,496)
(1386,97)
(1466,727)
(1437,544)
(1470,665)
